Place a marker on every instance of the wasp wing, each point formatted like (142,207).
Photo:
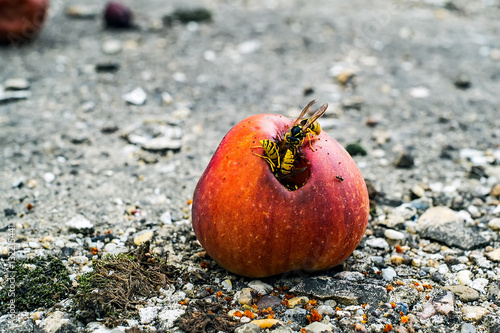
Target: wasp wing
(315,116)
(304,111)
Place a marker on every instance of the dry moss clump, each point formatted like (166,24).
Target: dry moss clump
(119,283)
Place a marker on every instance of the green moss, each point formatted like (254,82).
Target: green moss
(356,149)
(189,15)
(39,282)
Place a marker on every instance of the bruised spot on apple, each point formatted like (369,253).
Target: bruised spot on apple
(21,20)
(252,225)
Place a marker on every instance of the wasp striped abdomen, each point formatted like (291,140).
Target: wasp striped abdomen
(287,165)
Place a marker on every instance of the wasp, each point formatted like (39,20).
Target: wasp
(271,153)
(303,128)
(286,165)
(282,154)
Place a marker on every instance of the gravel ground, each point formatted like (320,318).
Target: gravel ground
(80,158)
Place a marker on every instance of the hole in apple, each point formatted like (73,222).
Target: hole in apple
(298,177)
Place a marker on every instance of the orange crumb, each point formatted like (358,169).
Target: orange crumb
(228,299)
(399,249)
(404,319)
(238,314)
(93,250)
(416,284)
(184,302)
(249,314)
(108,232)
(315,316)
(365,319)
(400,283)
(389,288)
(393,305)
(427,297)
(210,291)
(303,330)
(337,309)
(388,328)
(219,294)
(427,286)
(204,264)
(189,202)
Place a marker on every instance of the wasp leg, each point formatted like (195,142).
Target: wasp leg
(309,140)
(268,160)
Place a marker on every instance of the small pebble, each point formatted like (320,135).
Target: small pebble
(404,161)
(143,236)
(462,81)
(79,260)
(248,328)
(81,11)
(397,260)
(49,177)
(34,245)
(467,328)
(245,296)
(494,255)
(166,98)
(16,84)
(166,218)
(389,273)
(479,284)
(495,190)
(419,92)
(494,224)
(318,327)
(465,294)
(136,97)
(473,313)
(249,46)
(260,287)
(297,301)
(148,314)
(450,261)
(464,277)
(112,46)
(80,224)
(19,182)
(378,243)
(393,234)
(268,301)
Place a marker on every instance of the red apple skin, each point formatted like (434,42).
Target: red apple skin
(251,225)
(21,20)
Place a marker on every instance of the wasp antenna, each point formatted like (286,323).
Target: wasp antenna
(315,116)
(304,111)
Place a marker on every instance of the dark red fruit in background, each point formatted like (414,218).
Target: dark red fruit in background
(117,15)
(21,20)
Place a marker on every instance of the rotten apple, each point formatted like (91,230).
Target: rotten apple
(21,20)
(255,223)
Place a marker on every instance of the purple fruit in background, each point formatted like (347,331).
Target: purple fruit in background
(117,15)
